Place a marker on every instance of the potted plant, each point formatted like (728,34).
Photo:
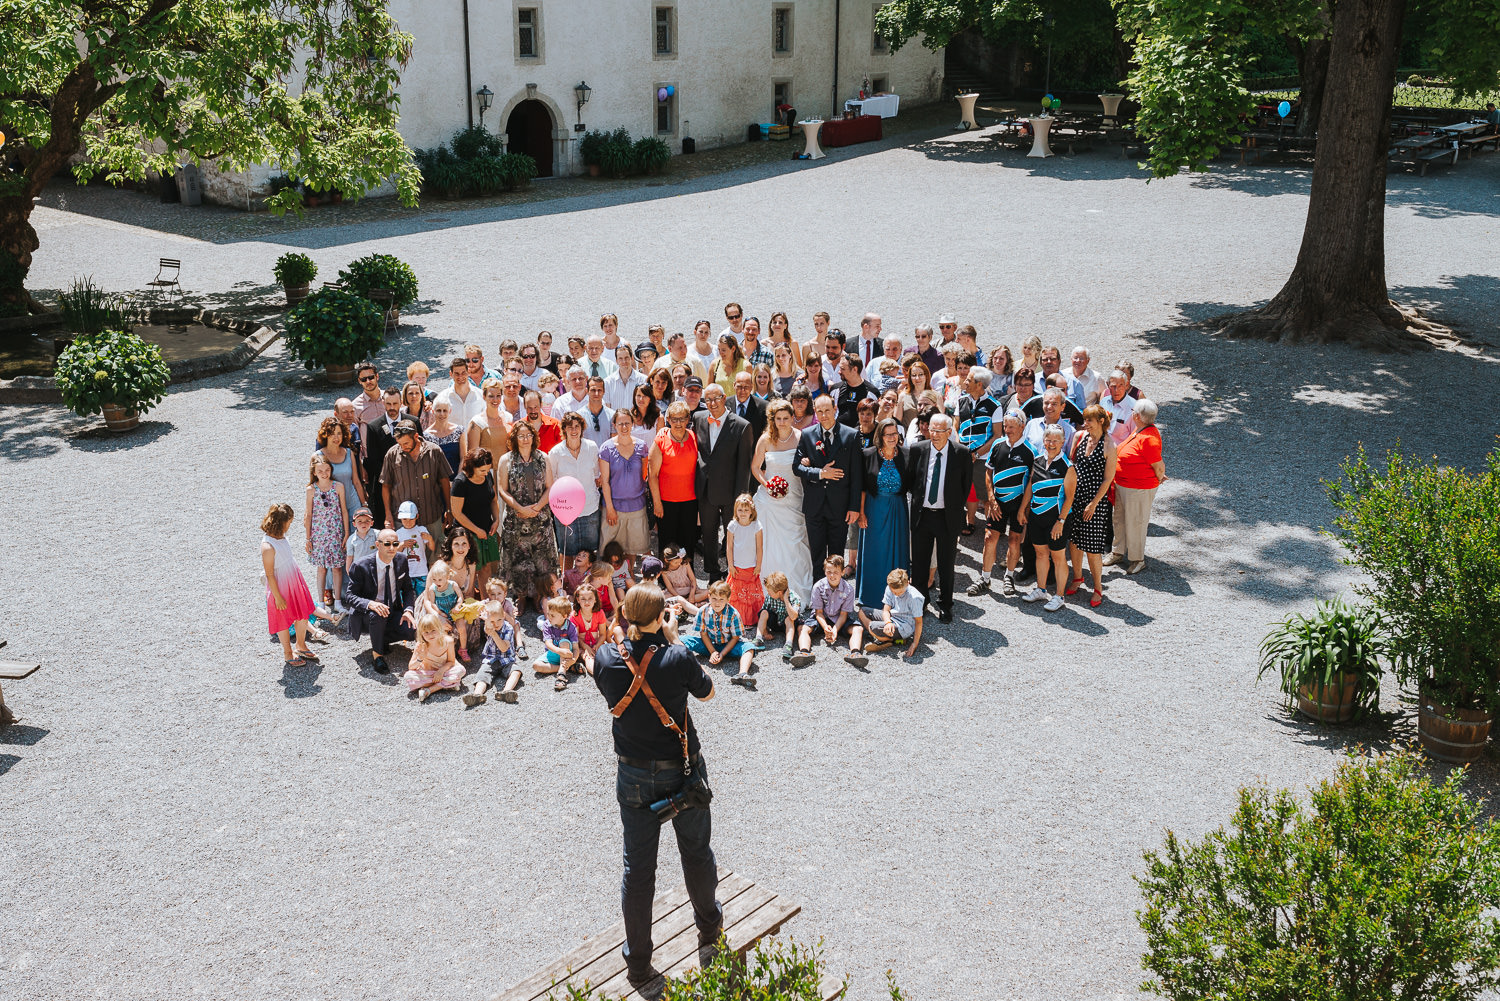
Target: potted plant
(295,272)
(591,150)
(382,272)
(1428,540)
(617,158)
(517,170)
(651,154)
(1329,661)
(336,329)
(115,373)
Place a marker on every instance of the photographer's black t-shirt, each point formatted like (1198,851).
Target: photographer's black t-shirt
(674,674)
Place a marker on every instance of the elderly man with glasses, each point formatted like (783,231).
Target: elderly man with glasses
(379,595)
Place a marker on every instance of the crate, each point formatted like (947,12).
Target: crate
(779,133)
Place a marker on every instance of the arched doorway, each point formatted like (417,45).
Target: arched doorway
(529,130)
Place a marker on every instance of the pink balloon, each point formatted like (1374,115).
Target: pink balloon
(566,499)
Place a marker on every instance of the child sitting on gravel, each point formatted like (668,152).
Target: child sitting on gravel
(900,618)
(832,608)
(677,578)
(561,641)
(719,633)
(498,661)
(779,615)
(433,664)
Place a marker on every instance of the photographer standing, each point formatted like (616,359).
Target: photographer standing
(661,776)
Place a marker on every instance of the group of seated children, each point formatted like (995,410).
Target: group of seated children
(582,616)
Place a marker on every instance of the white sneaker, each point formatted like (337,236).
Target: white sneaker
(1035,594)
(1055,604)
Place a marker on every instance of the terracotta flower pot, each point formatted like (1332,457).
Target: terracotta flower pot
(338,375)
(1452,735)
(121,419)
(593,170)
(393,318)
(295,294)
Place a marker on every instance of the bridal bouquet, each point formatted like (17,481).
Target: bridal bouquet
(776,486)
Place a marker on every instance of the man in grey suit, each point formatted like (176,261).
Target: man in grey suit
(725,448)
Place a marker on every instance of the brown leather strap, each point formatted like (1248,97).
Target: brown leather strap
(638,683)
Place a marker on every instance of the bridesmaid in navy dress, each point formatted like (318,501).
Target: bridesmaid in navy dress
(885,542)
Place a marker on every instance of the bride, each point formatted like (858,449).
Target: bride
(786,547)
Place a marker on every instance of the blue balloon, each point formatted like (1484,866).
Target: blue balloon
(1048,99)
(671,90)
(1284,108)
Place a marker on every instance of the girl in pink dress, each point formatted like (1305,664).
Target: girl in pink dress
(288,601)
(433,664)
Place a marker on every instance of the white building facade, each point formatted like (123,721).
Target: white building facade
(728,63)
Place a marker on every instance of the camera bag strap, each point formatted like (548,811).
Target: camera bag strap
(639,684)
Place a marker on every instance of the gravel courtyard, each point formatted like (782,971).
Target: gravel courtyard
(184,818)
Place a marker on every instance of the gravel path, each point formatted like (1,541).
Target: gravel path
(184,818)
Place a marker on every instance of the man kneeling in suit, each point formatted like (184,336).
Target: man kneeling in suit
(376,588)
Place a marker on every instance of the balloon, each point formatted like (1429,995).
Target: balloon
(566,499)
(671,89)
(661,93)
(1284,108)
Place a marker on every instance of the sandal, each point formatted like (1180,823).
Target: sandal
(1073,586)
(295,662)
(560,683)
(1097,599)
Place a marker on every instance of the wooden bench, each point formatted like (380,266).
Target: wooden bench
(1428,157)
(12,671)
(750,913)
(1471,143)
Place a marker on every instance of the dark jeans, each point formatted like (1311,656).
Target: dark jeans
(582,534)
(678,526)
(637,789)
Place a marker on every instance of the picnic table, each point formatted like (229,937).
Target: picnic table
(1424,149)
(13,671)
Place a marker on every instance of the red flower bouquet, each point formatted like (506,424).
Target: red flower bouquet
(776,486)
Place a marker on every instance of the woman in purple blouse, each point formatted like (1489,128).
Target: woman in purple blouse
(622,479)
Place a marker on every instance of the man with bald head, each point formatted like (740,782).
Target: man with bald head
(868,346)
(724,452)
(748,405)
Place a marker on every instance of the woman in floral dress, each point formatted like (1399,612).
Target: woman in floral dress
(528,549)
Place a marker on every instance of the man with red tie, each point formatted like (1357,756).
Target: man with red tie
(868,346)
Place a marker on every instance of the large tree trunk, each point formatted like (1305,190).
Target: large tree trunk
(1337,291)
(19,240)
(1312,72)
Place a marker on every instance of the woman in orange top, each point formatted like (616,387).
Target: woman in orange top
(1138,473)
(673,472)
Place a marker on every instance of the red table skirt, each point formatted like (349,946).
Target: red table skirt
(848,131)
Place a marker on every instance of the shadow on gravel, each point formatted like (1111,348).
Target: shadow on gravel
(300,682)
(22,735)
(1437,196)
(36,431)
(102,439)
(1377,732)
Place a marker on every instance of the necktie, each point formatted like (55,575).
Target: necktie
(827,440)
(867,346)
(387,585)
(742,410)
(937,475)
(596,423)
(595,373)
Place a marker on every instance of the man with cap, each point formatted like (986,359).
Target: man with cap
(416,470)
(619,386)
(692,395)
(379,595)
(645,357)
(947,328)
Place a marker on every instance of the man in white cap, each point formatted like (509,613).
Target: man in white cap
(947,328)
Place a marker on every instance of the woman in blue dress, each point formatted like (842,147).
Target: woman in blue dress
(885,539)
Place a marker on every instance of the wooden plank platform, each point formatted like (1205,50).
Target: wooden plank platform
(750,913)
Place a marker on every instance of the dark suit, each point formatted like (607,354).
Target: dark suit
(826,504)
(755,413)
(378,441)
(937,528)
(361,585)
(723,474)
(856,347)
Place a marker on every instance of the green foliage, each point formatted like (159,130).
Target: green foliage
(776,971)
(484,175)
(617,157)
(517,169)
(113,367)
(294,269)
(591,147)
(334,327)
(474,142)
(1405,95)
(474,161)
(88,309)
(1376,889)
(278,183)
(651,153)
(1315,649)
(381,271)
(1427,538)
(309,85)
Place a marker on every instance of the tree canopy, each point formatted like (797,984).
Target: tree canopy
(308,86)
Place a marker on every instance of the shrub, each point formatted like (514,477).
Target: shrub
(618,156)
(484,175)
(278,183)
(381,271)
(591,147)
(1315,649)
(776,971)
(1428,540)
(517,169)
(652,153)
(1376,889)
(334,327)
(88,309)
(474,142)
(294,269)
(114,368)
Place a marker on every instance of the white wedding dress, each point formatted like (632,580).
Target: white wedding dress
(784,543)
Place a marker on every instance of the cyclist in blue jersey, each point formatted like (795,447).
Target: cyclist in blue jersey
(1045,507)
(1009,470)
(974,421)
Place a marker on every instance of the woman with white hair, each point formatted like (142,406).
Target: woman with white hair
(1045,508)
(1138,472)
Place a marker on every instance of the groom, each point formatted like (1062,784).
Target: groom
(831,464)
